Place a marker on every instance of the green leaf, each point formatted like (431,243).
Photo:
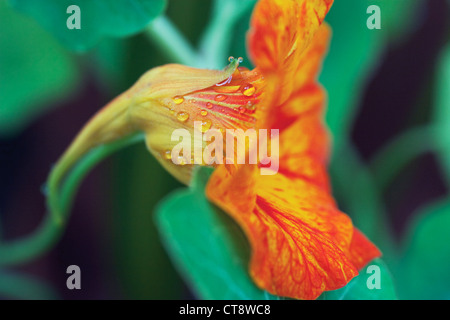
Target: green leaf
(25,287)
(424,269)
(207,246)
(358,289)
(354,53)
(397,17)
(35,71)
(109,60)
(98,19)
(442,111)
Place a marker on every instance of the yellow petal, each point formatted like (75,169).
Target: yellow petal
(142,108)
(168,104)
(176,80)
(287,42)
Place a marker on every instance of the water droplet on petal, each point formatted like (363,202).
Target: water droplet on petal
(168,155)
(204,113)
(206,125)
(209,105)
(182,116)
(178,99)
(242,110)
(181,161)
(248,90)
(250,106)
(220,97)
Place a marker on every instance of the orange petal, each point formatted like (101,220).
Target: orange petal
(282,28)
(304,148)
(312,57)
(230,104)
(300,241)
(302,245)
(281,31)
(362,251)
(291,94)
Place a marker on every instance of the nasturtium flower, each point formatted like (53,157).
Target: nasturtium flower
(302,245)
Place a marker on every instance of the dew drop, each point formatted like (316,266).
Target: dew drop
(178,99)
(231,59)
(182,116)
(250,106)
(242,110)
(240,59)
(220,97)
(204,113)
(168,155)
(181,161)
(248,90)
(206,125)
(209,105)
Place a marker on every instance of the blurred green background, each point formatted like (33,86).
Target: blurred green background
(388,112)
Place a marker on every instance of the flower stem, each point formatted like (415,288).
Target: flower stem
(61,191)
(162,32)
(400,152)
(216,40)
